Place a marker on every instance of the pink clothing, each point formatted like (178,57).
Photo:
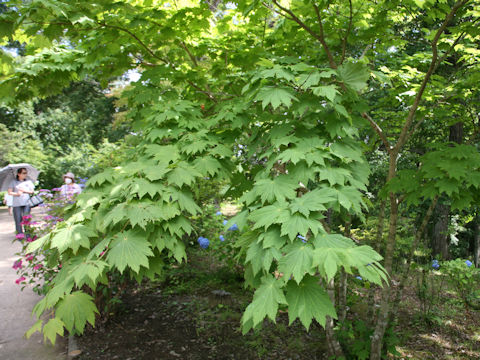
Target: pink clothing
(70,190)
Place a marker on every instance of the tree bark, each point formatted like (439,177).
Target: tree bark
(382,318)
(334,347)
(476,253)
(342,288)
(440,231)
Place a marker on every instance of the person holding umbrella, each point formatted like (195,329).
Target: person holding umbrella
(21,189)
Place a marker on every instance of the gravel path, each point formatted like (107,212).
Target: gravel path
(16,306)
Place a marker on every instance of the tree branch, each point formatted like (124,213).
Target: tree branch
(404,133)
(379,131)
(137,39)
(184,46)
(321,38)
(344,42)
(295,18)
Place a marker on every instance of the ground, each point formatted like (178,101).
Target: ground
(16,306)
(185,316)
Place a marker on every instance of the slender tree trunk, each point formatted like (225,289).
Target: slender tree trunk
(382,318)
(406,271)
(476,253)
(440,231)
(377,245)
(334,347)
(342,289)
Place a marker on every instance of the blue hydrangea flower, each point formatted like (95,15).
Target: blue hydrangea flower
(468,262)
(303,238)
(221,238)
(234,227)
(358,277)
(218,213)
(225,222)
(435,264)
(203,242)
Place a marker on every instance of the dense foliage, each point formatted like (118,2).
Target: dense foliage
(282,101)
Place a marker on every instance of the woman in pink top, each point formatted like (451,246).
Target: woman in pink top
(70,188)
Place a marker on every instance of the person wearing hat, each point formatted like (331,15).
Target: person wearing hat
(69,188)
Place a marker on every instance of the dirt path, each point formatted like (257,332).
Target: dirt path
(16,307)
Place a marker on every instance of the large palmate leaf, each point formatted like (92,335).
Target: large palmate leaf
(129,248)
(297,260)
(307,301)
(72,236)
(276,97)
(265,303)
(75,309)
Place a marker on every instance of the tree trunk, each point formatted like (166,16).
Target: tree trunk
(440,231)
(334,348)
(377,246)
(406,271)
(382,318)
(476,253)
(342,288)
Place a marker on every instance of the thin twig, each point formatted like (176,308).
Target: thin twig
(322,38)
(344,42)
(404,133)
(378,130)
(150,51)
(184,47)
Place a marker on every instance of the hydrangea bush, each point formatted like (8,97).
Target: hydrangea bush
(39,267)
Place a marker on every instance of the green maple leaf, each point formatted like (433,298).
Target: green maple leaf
(265,303)
(88,270)
(164,154)
(75,309)
(178,226)
(276,97)
(129,248)
(295,224)
(195,147)
(268,215)
(334,175)
(312,201)
(308,301)
(99,179)
(141,213)
(166,211)
(277,71)
(350,198)
(117,214)
(207,165)
(72,237)
(36,327)
(297,260)
(327,91)
(346,152)
(53,327)
(261,258)
(279,188)
(333,251)
(272,238)
(354,75)
(455,169)
(186,202)
(143,187)
(293,154)
(182,174)
(156,172)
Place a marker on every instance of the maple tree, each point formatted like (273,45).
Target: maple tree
(298,86)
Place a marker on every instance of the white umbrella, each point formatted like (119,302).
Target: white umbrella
(9,173)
